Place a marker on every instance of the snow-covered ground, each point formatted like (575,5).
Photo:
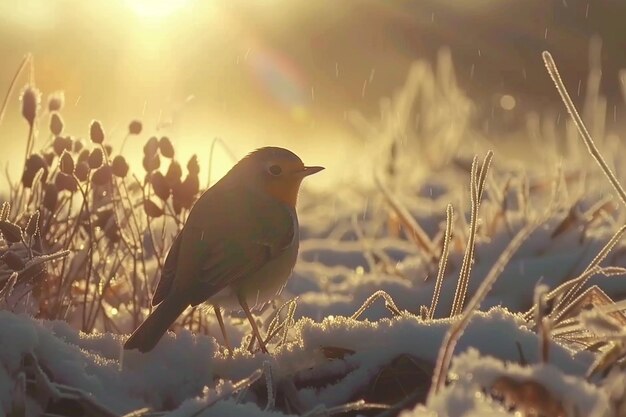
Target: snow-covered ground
(324,361)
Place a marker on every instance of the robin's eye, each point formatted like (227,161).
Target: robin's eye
(275,170)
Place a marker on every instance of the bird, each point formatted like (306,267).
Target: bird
(237,248)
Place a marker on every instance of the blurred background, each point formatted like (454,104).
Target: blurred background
(291,72)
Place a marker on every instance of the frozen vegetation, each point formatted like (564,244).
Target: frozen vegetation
(448,279)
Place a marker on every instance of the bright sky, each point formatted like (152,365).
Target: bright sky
(271,72)
(194,70)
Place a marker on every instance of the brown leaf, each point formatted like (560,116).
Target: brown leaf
(405,376)
(336,352)
(528,397)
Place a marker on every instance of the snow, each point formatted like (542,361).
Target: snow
(184,367)
(349,251)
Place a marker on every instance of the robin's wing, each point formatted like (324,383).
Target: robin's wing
(228,239)
(230,260)
(168,273)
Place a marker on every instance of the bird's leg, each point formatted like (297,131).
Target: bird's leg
(255,329)
(218,314)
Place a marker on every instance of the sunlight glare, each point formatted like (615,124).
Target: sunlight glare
(156,9)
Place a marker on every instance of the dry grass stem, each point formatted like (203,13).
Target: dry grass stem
(477,185)
(389,304)
(442,262)
(27,58)
(582,129)
(457,328)
(571,288)
(414,230)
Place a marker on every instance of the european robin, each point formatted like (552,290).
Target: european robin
(237,248)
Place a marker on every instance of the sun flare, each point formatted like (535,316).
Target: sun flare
(156,9)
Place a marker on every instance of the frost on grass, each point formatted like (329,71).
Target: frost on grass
(383,234)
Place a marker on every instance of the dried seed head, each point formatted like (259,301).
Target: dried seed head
(64,181)
(82,171)
(56,124)
(60,144)
(49,158)
(33,164)
(32,228)
(192,166)
(151,209)
(13,261)
(95,158)
(174,174)
(96,133)
(50,197)
(30,98)
(119,166)
(66,163)
(78,145)
(151,162)
(151,147)
(56,101)
(134,128)
(102,175)
(166,148)
(36,162)
(28,177)
(160,185)
(188,190)
(83,156)
(12,232)
(108,149)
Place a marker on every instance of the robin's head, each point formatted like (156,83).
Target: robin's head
(278,171)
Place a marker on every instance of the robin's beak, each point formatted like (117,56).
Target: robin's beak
(311,170)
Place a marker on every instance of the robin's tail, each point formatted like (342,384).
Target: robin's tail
(156,324)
